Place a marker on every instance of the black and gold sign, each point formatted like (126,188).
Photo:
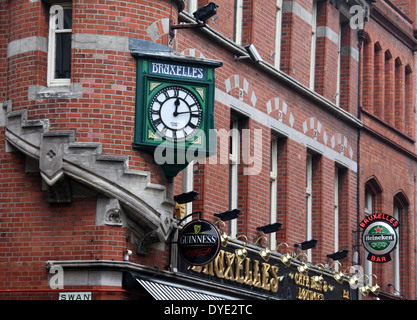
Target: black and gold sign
(175,109)
(199,242)
(271,278)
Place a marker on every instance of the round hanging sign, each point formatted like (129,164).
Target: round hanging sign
(379,236)
(199,242)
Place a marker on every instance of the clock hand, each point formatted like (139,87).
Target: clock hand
(189,111)
(177,103)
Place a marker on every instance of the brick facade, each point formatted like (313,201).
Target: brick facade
(68,162)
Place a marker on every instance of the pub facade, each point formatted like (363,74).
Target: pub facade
(199,150)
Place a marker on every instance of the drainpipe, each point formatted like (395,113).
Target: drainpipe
(361,38)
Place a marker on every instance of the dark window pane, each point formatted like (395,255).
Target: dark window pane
(67,18)
(63,56)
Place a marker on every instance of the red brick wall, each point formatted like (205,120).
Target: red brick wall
(388,115)
(35,231)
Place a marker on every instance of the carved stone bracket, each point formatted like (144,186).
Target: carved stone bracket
(61,159)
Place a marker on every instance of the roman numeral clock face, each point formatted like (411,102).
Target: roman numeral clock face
(175,113)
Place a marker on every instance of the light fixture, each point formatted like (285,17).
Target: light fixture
(264,253)
(365,289)
(253,53)
(339,255)
(375,288)
(285,258)
(241,252)
(228,215)
(201,14)
(303,268)
(128,253)
(224,238)
(186,197)
(353,281)
(269,228)
(318,279)
(306,244)
(339,276)
(206,12)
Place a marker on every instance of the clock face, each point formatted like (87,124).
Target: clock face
(175,113)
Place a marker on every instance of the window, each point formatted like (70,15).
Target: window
(408,100)
(369,205)
(192,6)
(397,266)
(187,186)
(233,171)
(238,21)
(278,34)
(309,197)
(339,65)
(59,46)
(313,45)
(336,208)
(273,187)
(400,213)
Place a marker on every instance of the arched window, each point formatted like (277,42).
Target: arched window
(373,200)
(400,208)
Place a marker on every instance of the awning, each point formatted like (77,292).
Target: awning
(164,289)
(168,292)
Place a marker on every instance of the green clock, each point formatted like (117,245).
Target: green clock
(174,115)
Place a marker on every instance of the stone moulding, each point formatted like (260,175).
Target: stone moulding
(60,157)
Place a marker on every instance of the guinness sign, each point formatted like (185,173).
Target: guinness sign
(199,242)
(379,236)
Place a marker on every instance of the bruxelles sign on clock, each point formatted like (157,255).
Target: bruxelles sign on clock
(175,109)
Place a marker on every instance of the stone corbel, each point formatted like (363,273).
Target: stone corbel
(50,165)
(143,243)
(131,200)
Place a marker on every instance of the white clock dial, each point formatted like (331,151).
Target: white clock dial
(175,113)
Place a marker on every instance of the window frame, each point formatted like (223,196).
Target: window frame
(273,176)
(51,80)
(234,171)
(278,34)
(313,46)
(238,27)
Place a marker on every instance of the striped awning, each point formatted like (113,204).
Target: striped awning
(162,291)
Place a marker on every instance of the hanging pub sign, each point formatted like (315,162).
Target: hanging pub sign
(379,236)
(199,242)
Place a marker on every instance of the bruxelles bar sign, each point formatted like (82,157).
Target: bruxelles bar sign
(253,275)
(379,236)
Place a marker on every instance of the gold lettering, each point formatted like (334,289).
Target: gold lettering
(346,294)
(324,288)
(302,280)
(302,294)
(239,267)
(228,273)
(248,273)
(195,268)
(256,275)
(305,294)
(208,269)
(265,276)
(274,279)
(219,265)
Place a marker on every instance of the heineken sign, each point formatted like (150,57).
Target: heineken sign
(379,236)
(199,242)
